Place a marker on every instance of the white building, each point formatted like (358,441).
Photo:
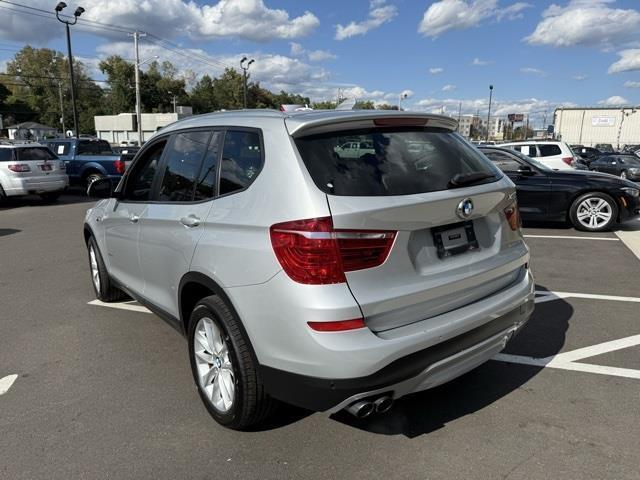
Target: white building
(496,128)
(124,127)
(468,125)
(618,126)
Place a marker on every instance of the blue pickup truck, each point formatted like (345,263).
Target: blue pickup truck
(87,159)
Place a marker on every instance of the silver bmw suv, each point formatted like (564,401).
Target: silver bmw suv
(304,276)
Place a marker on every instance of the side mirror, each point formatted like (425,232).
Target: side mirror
(102,188)
(526,170)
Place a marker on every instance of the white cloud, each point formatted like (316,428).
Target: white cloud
(446,15)
(534,71)
(628,62)
(616,100)
(580,77)
(435,70)
(631,84)
(587,23)
(379,14)
(298,50)
(246,19)
(480,63)
(448,88)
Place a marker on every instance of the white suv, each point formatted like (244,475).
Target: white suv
(31,168)
(555,155)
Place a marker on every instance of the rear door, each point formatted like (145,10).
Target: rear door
(173,223)
(453,245)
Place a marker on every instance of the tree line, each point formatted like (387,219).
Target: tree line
(36,78)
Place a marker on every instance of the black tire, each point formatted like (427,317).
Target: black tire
(251,404)
(92,177)
(105,292)
(50,196)
(573,212)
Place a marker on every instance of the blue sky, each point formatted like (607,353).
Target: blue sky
(537,53)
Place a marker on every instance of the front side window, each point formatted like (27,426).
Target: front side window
(206,184)
(94,147)
(140,180)
(182,167)
(241,160)
(400,161)
(34,153)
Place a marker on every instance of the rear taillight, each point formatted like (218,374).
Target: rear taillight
(513,216)
(312,252)
(19,167)
(339,326)
(120,166)
(567,160)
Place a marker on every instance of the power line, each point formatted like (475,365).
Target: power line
(186,53)
(52,78)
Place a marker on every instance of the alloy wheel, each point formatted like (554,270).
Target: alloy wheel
(95,272)
(216,376)
(594,212)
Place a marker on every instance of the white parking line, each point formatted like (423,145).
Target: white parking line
(570,237)
(543,296)
(6,382)
(121,306)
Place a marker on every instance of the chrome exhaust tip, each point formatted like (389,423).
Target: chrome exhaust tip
(383,404)
(361,409)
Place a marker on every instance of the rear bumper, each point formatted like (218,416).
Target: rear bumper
(418,371)
(28,185)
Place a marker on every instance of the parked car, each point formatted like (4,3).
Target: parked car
(326,282)
(555,155)
(88,159)
(354,149)
(31,168)
(623,165)
(605,147)
(587,154)
(590,201)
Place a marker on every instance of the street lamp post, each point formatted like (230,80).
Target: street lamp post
(401,97)
(489,112)
(79,11)
(244,76)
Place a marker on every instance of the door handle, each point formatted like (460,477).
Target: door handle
(190,221)
(134,218)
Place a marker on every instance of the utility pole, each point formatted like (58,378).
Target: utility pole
(136,37)
(79,11)
(244,77)
(61,108)
(489,112)
(459,116)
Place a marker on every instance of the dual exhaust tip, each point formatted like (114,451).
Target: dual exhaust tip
(365,408)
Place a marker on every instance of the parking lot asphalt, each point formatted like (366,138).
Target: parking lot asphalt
(107,393)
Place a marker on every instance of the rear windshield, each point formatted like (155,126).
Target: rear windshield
(391,161)
(5,155)
(94,147)
(34,153)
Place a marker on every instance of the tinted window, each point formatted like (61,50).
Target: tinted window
(184,159)
(503,161)
(5,155)
(140,181)
(34,153)
(549,150)
(94,147)
(528,150)
(206,184)
(241,160)
(629,159)
(402,161)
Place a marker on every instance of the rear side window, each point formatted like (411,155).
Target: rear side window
(241,160)
(528,150)
(140,181)
(549,150)
(60,148)
(184,159)
(399,161)
(34,153)
(94,147)
(503,161)
(5,155)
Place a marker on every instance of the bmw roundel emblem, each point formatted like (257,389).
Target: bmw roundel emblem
(465,208)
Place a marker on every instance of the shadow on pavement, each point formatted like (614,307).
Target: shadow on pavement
(73,195)
(425,412)
(8,231)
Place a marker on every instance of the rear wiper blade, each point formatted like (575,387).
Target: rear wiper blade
(462,179)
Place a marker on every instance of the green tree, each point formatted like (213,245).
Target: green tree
(386,106)
(365,105)
(120,78)
(324,105)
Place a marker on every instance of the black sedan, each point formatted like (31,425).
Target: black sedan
(622,165)
(591,201)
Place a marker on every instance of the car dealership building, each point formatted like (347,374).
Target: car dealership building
(589,126)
